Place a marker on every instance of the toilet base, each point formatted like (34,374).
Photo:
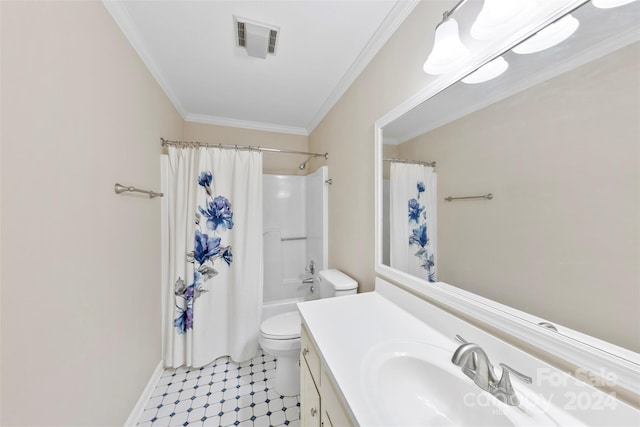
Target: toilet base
(287,379)
(287,354)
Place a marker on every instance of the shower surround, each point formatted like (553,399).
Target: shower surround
(295,233)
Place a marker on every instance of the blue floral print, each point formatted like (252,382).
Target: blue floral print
(207,249)
(227,256)
(205,179)
(415,210)
(428,264)
(218,214)
(184,320)
(419,236)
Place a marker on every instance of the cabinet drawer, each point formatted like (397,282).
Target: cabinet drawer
(310,355)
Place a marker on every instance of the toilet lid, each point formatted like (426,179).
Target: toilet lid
(282,326)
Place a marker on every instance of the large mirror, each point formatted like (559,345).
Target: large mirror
(534,200)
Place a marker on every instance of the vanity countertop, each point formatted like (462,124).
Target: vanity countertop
(346,328)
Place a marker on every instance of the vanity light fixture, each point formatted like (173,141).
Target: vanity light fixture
(608,4)
(488,71)
(448,50)
(549,36)
(499,17)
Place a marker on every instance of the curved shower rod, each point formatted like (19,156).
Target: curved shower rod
(198,144)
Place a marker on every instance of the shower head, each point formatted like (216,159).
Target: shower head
(302,166)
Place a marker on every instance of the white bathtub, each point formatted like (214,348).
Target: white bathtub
(272,308)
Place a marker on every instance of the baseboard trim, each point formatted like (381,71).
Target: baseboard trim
(138,409)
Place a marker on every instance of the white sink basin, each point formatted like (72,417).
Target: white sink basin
(410,383)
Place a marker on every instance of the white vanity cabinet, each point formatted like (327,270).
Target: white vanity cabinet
(320,404)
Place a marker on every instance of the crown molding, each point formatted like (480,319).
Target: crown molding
(396,16)
(244,124)
(123,19)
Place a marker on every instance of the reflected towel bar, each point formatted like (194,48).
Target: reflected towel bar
(119,188)
(484,196)
(286,239)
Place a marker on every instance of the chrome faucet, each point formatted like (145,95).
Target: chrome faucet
(476,365)
(311,268)
(310,280)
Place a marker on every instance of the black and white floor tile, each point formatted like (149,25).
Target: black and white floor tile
(221,394)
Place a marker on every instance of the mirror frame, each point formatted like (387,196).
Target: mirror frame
(573,348)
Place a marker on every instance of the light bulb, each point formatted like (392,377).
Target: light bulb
(447,51)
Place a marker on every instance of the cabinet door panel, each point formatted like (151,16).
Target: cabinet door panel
(332,405)
(309,398)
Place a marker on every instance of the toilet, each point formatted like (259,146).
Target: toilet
(280,334)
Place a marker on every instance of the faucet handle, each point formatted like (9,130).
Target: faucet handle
(311,268)
(503,390)
(519,375)
(460,339)
(504,385)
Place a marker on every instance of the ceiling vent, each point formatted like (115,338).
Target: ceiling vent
(259,39)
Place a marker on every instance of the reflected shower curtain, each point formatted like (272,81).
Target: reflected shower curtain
(214,292)
(412,216)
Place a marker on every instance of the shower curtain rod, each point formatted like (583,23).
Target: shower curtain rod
(411,162)
(197,144)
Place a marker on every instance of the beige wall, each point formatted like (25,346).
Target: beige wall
(81,276)
(560,239)
(347,133)
(275,163)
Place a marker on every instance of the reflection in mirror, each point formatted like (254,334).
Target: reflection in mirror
(555,140)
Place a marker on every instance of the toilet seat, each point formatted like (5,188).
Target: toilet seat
(284,326)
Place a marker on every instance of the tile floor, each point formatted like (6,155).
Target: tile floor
(223,393)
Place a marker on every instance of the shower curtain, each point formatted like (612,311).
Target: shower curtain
(412,216)
(214,292)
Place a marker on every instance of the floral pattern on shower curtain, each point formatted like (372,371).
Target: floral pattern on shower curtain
(419,235)
(412,237)
(213,291)
(207,249)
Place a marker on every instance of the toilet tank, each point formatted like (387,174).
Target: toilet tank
(334,283)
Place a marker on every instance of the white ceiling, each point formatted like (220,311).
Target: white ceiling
(190,48)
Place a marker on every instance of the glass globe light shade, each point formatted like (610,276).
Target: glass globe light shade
(488,71)
(499,17)
(447,51)
(549,36)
